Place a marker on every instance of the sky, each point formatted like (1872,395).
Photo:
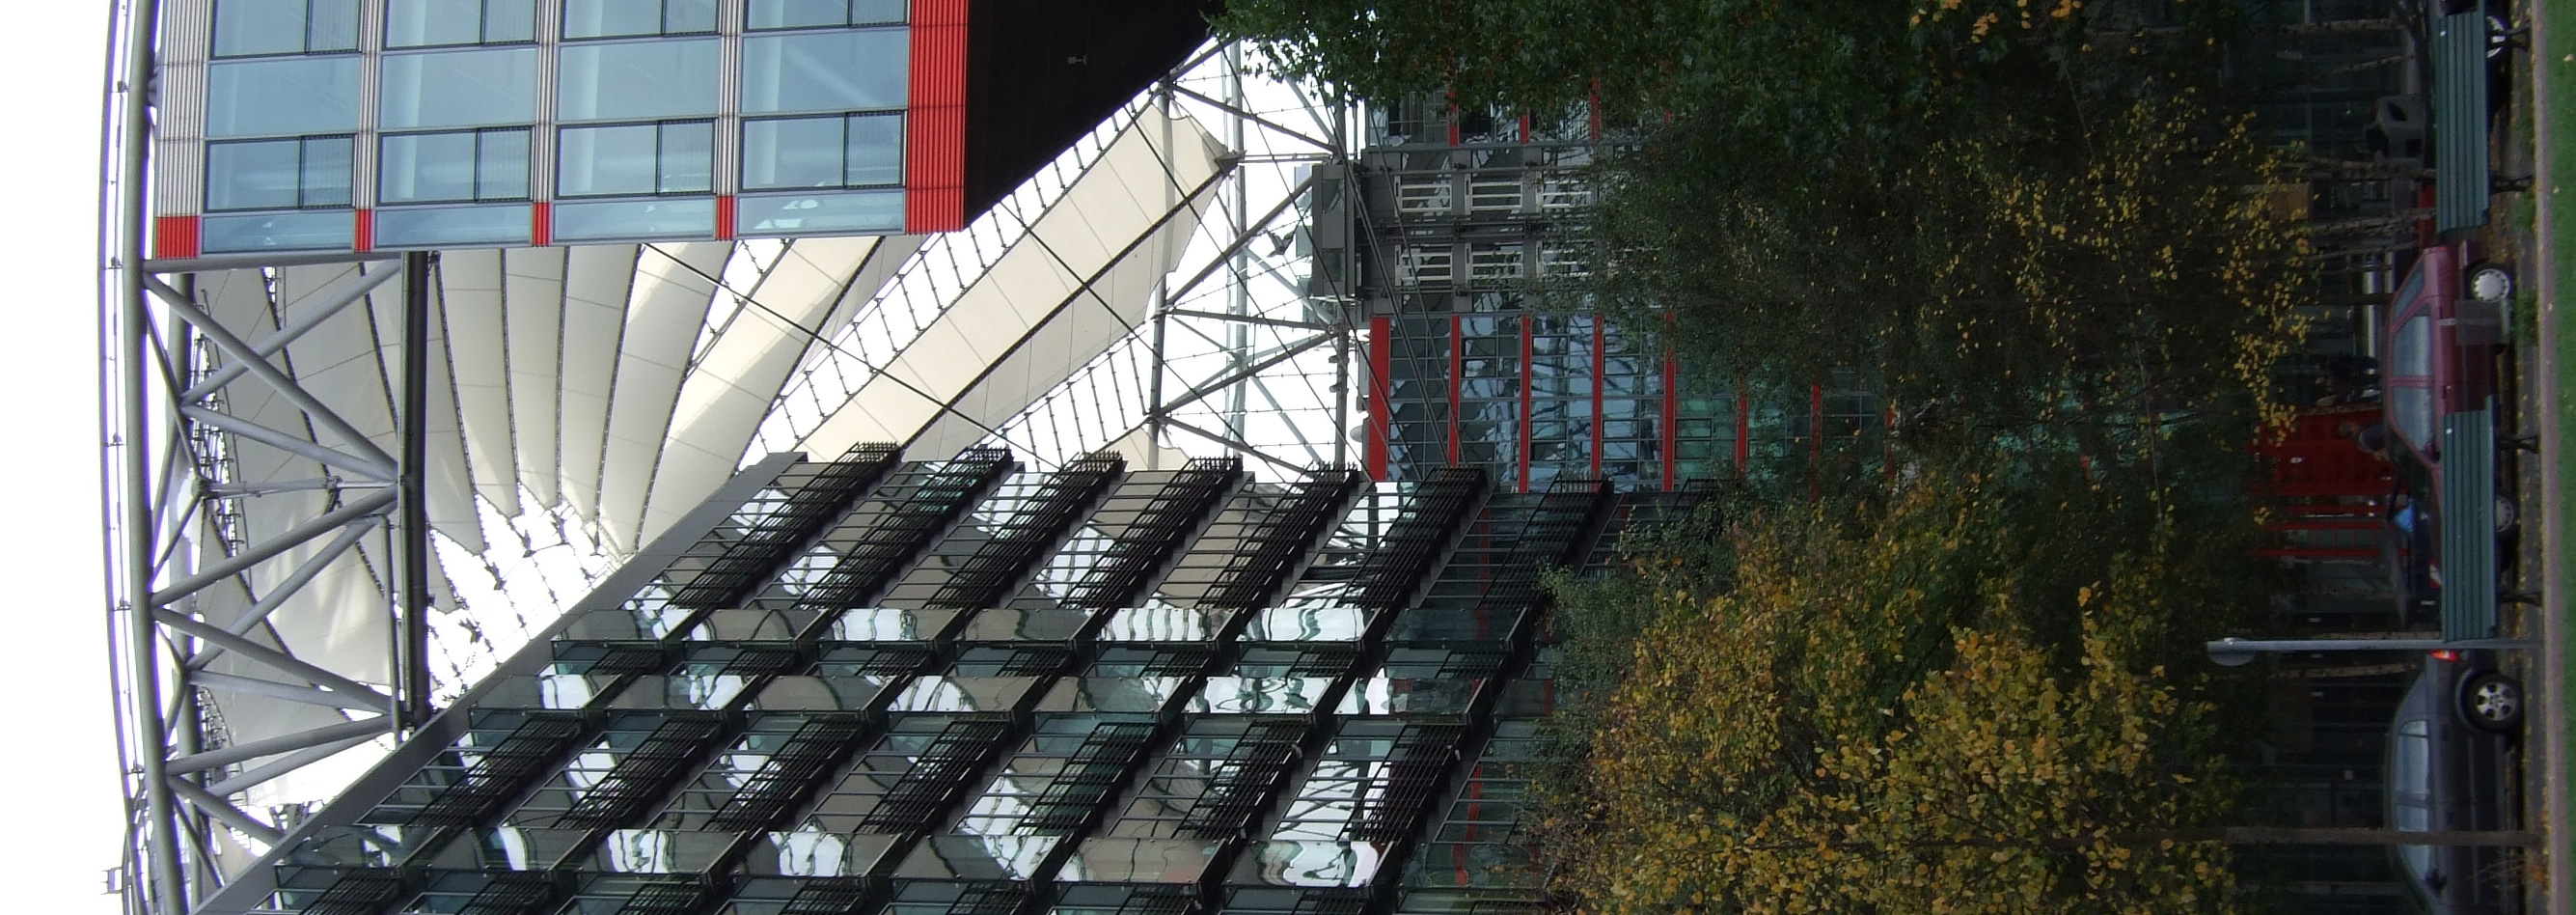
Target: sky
(54,699)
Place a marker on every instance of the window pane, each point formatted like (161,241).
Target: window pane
(509,20)
(791,14)
(326,172)
(334,26)
(851,212)
(684,16)
(250,176)
(412,23)
(876,150)
(289,96)
(421,167)
(603,18)
(873,12)
(825,71)
(259,27)
(805,152)
(453,225)
(501,165)
(459,88)
(688,158)
(635,80)
(607,160)
(323,230)
(606,220)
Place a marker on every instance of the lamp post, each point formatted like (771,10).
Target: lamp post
(2236,652)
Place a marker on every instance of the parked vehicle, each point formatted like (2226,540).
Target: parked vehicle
(2446,771)
(2438,349)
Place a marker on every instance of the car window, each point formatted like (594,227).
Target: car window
(2410,409)
(2411,352)
(2410,765)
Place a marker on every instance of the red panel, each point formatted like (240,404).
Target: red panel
(1743,428)
(1672,419)
(1457,369)
(1524,424)
(175,236)
(541,224)
(724,217)
(366,231)
(934,152)
(1380,390)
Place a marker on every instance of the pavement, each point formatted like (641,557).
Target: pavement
(2543,400)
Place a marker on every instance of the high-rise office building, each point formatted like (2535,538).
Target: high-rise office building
(361,125)
(865,685)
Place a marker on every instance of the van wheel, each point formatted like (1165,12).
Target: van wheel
(2488,282)
(2492,702)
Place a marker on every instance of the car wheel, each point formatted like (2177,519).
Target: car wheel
(2493,702)
(2489,282)
(2507,514)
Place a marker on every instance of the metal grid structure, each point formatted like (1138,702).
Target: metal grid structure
(1178,751)
(312,546)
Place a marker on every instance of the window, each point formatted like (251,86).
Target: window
(459,88)
(851,151)
(636,159)
(278,174)
(616,18)
(805,14)
(1422,195)
(638,80)
(424,23)
(467,165)
(252,27)
(306,95)
(825,71)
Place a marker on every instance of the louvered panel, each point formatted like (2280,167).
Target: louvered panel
(644,773)
(1166,520)
(1022,541)
(1414,542)
(1285,533)
(795,769)
(509,767)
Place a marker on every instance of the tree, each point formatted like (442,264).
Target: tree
(1959,702)
(1813,82)
(2030,273)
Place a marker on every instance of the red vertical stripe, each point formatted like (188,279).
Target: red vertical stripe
(541,224)
(1815,423)
(1381,390)
(365,231)
(175,236)
(1528,371)
(934,149)
(1600,373)
(1743,428)
(1672,419)
(724,216)
(1525,128)
(1457,369)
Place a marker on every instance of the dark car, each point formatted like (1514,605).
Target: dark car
(2446,768)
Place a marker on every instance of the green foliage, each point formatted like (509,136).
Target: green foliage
(1963,700)
(2027,276)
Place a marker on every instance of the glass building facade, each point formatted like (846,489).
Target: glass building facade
(1458,229)
(356,125)
(865,685)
